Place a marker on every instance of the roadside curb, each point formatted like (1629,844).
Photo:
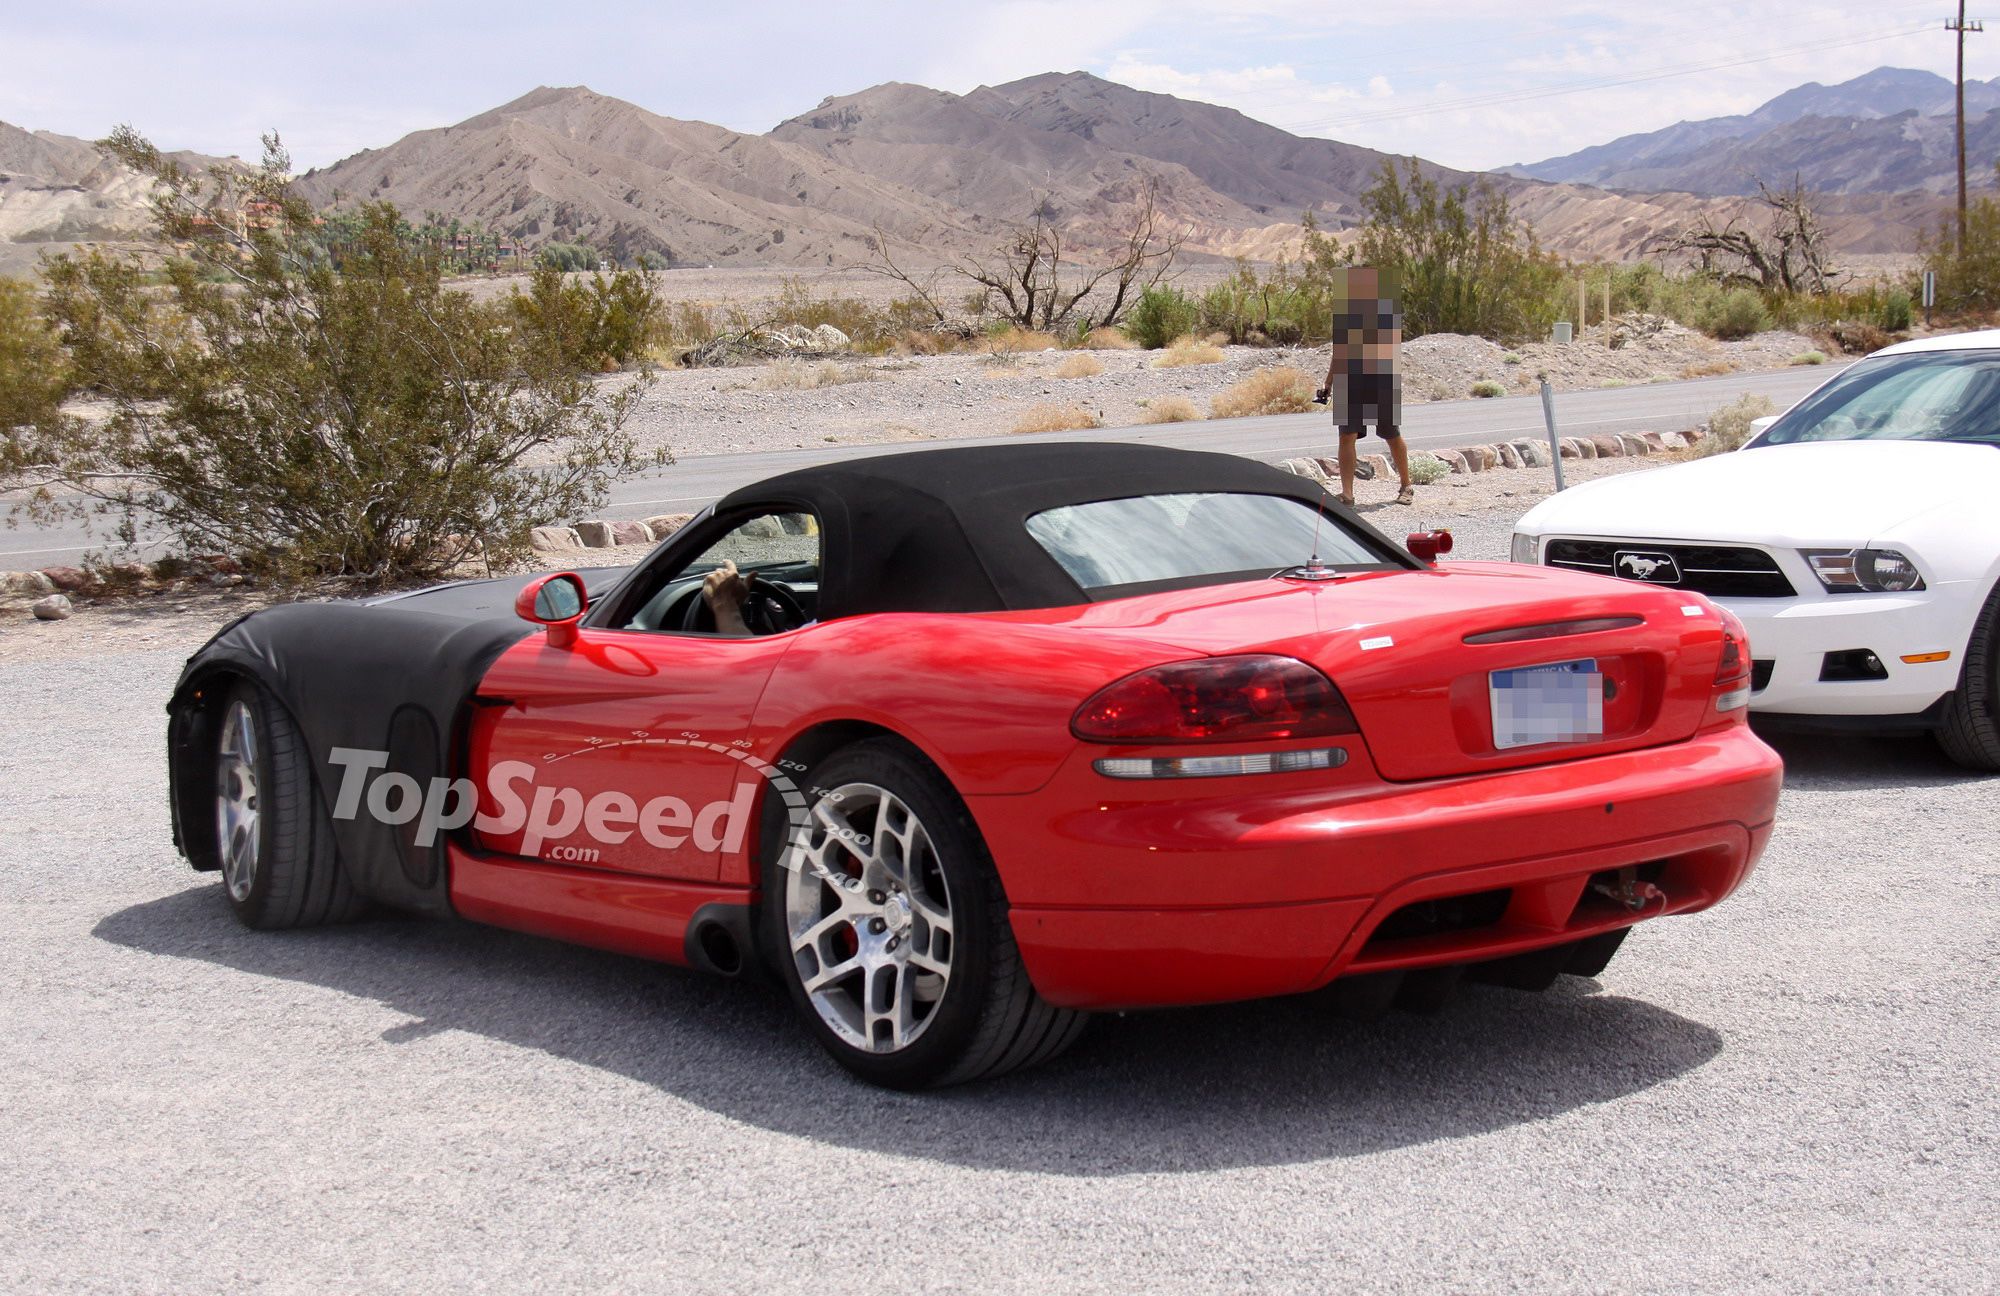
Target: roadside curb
(1522,453)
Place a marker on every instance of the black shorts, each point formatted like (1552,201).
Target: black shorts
(1371,398)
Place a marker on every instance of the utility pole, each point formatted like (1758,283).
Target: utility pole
(1961,27)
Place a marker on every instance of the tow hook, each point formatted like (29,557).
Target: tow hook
(1629,893)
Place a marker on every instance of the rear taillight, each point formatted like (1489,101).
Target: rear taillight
(1732,673)
(1216,699)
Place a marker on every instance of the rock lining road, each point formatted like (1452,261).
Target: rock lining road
(1792,1092)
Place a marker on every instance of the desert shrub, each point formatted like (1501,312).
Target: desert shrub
(1057,418)
(1159,316)
(688,324)
(1729,426)
(1733,313)
(1809,358)
(1897,312)
(1486,387)
(1968,272)
(1080,366)
(1278,389)
(596,324)
(568,257)
(651,260)
(1008,342)
(1110,339)
(1462,262)
(366,422)
(1511,357)
(35,378)
(1169,409)
(868,328)
(1858,339)
(1426,468)
(1188,351)
(801,375)
(1708,369)
(34,372)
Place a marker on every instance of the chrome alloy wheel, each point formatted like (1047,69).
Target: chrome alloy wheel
(868,915)
(236,820)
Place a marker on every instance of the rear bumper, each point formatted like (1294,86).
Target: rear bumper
(1261,890)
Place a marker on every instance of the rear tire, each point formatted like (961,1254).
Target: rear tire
(273,840)
(1970,734)
(889,929)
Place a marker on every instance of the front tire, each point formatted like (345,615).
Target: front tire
(273,841)
(888,925)
(1970,734)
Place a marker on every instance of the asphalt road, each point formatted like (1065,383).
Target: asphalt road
(694,482)
(1792,1092)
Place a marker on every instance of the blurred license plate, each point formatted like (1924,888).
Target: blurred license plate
(1560,702)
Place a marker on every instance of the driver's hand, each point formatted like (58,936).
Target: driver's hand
(724,590)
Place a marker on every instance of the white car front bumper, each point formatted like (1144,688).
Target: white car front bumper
(1795,635)
(1791,637)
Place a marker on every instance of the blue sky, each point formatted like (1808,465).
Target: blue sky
(1471,83)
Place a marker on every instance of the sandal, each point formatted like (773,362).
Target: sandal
(1407,495)
(1344,499)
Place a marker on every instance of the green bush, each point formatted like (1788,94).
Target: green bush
(1734,313)
(1968,273)
(596,324)
(1488,388)
(1159,316)
(1897,312)
(363,422)
(1729,427)
(1426,468)
(569,257)
(1462,263)
(1809,358)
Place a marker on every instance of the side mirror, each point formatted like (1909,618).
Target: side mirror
(1427,545)
(557,601)
(1759,426)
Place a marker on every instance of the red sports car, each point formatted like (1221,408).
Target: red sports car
(1018,733)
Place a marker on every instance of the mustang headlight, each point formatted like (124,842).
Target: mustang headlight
(1523,549)
(1864,571)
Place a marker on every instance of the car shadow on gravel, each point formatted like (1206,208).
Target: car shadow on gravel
(1839,763)
(1269,1083)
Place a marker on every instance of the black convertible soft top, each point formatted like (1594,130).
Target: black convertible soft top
(945,530)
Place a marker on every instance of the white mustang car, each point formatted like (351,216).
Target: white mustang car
(1857,535)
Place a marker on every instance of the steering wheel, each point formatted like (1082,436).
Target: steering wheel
(770,606)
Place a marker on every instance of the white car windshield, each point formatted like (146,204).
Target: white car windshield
(1925,396)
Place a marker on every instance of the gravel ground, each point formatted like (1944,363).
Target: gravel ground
(1793,1092)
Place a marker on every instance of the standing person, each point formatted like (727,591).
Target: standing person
(1362,385)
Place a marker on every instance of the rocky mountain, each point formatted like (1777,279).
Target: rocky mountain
(1890,130)
(574,164)
(941,173)
(57,191)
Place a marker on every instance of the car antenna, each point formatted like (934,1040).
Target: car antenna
(1313,568)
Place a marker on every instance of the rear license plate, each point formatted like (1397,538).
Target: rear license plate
(1560,702)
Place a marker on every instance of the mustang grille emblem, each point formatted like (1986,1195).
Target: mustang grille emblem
(1656,568)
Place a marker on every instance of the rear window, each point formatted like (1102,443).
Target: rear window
(1191,539)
